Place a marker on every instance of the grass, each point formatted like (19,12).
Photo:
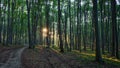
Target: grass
(88,57)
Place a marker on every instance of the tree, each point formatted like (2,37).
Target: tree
(69,6)
(8,26)
(102,26)
(95,21)
(59,27)
(47,23)
(66,42)
(28,19)
(0,22)
(114,30)
(78,25)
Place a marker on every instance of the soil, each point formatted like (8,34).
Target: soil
(10,57)
(40,57)
(43,58)
(47,58)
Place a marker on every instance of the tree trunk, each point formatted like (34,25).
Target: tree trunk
(29,30)
(95,16)
(0,22)
(114,29)
(8,24)
(59,28)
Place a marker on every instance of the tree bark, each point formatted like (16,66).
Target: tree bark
(95,20)
(59,28)
(114,30)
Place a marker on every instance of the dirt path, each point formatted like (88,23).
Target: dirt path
(14,60)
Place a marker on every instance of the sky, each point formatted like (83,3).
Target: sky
(118,2)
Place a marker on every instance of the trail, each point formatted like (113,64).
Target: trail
(14,60)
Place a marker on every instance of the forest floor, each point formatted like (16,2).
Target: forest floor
(42,57)
(10,57)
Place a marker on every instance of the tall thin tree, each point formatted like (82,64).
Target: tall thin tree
(59,27)
(28,19)
(114,30)
(95,21)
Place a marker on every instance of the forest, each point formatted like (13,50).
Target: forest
(59,33)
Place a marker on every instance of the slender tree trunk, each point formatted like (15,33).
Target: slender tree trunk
(4,27)
(85,29)
(95,16)
(114,29)
(40,20)
(109,33)
(102,26)
(47,23)
(59,27)
(12,21)
(8,24)
(66,42)
(78,24)
(29,30)
(69,3)
(80,16)
(0,22)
